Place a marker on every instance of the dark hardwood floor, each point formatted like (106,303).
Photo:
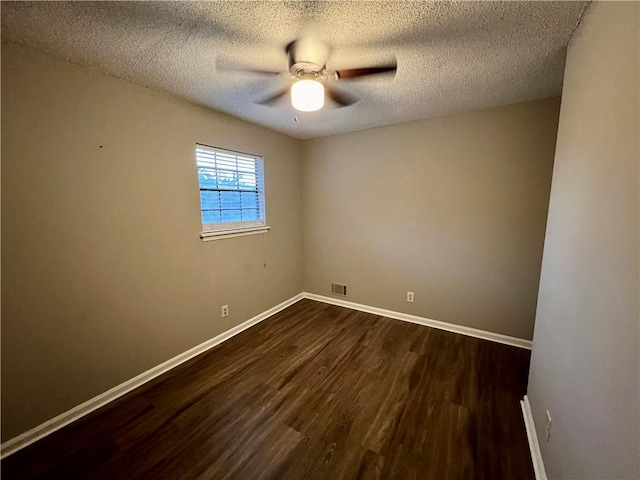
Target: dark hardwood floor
(315,392)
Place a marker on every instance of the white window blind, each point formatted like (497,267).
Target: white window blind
(231,190)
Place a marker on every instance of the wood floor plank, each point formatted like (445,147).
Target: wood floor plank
(315,392)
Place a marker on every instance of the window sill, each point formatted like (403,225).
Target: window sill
(236,232)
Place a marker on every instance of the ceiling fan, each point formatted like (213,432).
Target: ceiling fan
(308,70)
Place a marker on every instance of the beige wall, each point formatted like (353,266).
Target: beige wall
(103,272)
(453,209)
(585,362)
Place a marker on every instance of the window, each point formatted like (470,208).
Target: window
(231,192)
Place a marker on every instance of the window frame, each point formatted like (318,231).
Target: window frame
(217,230)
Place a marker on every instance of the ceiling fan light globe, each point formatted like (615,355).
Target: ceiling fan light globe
(307,95)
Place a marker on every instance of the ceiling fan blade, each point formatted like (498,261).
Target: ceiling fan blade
(226,66)
(363,72)
(251,70)
(342,99)
(260,72)
(271,99)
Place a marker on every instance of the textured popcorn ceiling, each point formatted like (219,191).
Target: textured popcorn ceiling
(452,56)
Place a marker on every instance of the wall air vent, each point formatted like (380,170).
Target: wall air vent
(338,289)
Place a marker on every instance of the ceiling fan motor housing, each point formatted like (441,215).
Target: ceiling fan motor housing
(307,57)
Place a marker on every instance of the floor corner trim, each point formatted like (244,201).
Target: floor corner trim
(449,327)
(532,437)
(47,428)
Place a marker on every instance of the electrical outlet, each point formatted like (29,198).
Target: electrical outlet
(410,297)
(547,428)
(225,311)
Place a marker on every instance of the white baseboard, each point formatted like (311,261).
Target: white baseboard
(532,436)
(27,438)
(56,423)
(450,327)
